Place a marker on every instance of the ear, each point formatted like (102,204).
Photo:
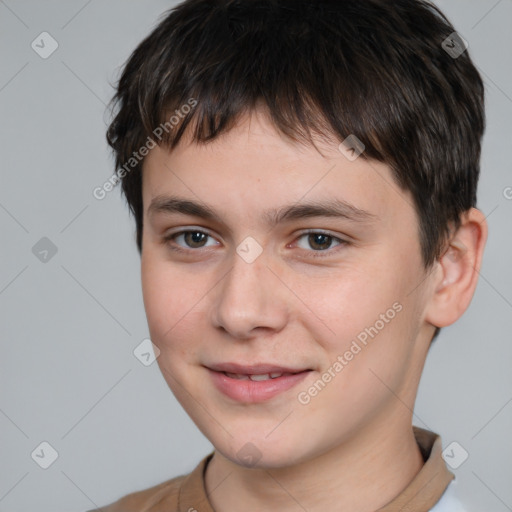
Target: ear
(458,270)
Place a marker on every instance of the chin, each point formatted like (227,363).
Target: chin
(258,452)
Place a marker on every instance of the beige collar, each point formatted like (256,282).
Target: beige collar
(420,495)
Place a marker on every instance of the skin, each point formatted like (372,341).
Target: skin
(352,446)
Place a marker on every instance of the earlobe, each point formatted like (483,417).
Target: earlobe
(460,265)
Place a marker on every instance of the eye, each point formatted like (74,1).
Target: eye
(320,241)
(193,239)
(316,241)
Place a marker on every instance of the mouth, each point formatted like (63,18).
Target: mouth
(254,383)
(257,377)
(255,369)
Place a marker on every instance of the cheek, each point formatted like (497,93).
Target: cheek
(348,302)
(367,319)
(169,298)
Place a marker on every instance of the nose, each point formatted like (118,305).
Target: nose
(250,298)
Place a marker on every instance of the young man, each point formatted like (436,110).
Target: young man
(303,179)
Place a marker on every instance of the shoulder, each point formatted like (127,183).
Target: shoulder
(449,502)
(165,494)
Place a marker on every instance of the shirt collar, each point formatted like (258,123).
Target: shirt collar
(427,487)
(422,493)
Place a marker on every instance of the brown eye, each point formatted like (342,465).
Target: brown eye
(191,239)
(194,238)
(319,242)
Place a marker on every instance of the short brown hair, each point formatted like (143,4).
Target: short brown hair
(372,68)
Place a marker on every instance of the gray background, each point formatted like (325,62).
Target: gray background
(69,325)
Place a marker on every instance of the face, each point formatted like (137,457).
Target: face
(246,262)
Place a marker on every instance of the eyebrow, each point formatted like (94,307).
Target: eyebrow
(331,207)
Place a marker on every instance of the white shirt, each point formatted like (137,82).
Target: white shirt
(449,501)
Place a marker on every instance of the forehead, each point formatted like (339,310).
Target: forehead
(253,169)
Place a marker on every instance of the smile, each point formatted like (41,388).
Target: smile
(263,376)
(254,388)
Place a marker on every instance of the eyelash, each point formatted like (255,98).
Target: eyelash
(316,254)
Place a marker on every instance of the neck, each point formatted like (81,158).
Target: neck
(362,474)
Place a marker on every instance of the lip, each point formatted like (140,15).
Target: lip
(249,391)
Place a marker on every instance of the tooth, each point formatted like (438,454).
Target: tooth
(259,377)
(237,376)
